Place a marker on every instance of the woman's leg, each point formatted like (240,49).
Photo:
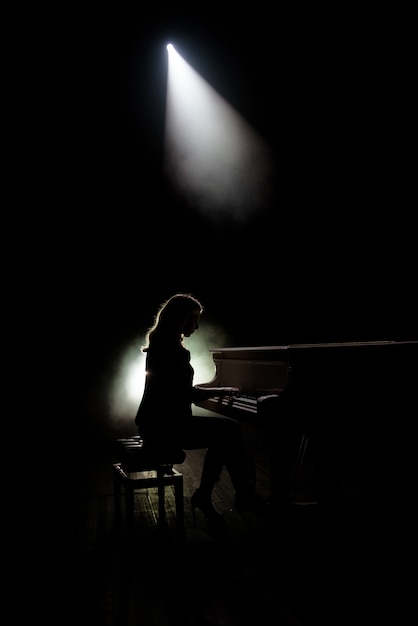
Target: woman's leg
(222,438)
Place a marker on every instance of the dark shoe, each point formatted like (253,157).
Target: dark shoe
(204,504)
(251,502)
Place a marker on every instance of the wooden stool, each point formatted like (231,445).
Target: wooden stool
(141,468)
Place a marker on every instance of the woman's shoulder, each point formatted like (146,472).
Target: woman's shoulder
(168,349)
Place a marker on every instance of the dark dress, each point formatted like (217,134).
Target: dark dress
(165,411)
(165,418)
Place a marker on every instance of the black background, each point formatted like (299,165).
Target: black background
(100,239)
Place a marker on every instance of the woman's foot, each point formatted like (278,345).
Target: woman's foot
(204,504)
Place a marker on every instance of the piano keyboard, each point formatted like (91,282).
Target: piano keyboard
(245,403)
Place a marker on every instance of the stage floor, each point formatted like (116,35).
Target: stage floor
(78,568)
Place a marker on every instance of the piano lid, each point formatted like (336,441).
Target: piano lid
(269,351)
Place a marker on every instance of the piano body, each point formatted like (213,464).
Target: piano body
(359,396)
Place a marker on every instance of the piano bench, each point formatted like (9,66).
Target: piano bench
(140,468)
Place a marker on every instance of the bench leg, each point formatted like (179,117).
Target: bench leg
(161,497)
(129,506)
(123,484)
(178,496)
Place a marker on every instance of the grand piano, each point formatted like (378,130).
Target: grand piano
(354,399)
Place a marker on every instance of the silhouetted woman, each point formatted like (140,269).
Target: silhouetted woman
(165,418)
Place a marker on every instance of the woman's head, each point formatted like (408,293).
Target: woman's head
(177,317)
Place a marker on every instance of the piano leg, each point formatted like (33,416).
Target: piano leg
(325,446)
(250,439)
(287,427)
(281,484)
(274,420)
